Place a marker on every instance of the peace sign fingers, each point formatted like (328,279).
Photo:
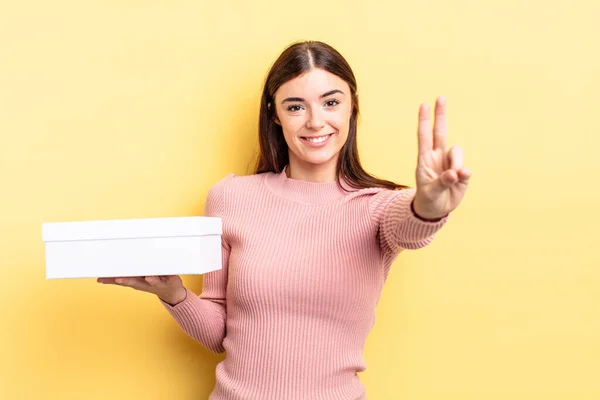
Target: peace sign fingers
(440,129)
(435,139)
(425,140)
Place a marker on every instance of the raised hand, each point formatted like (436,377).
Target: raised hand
(441,178)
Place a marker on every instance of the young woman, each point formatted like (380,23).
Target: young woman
(308,239)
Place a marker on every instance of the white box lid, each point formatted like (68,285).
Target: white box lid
(131,228)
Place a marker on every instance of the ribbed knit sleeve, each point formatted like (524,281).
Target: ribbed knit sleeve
(203,317)
(399,227)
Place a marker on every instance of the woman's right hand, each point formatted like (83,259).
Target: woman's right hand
(169,288)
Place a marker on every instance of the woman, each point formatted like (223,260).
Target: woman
(308,239)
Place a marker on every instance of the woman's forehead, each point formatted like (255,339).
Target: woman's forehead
(312,85)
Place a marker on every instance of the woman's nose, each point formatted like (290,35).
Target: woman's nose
(315,120)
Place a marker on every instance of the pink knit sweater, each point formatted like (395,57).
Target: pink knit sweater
(303,268)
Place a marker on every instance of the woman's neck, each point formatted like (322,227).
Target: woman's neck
(317,173)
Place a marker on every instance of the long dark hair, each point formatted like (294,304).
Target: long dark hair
(295,60)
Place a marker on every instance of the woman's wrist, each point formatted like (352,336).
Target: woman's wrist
(422,218)
(174,299)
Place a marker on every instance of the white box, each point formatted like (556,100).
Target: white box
(132,247)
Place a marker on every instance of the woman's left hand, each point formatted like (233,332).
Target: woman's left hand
(441,178)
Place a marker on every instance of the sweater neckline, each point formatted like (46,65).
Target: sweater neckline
(304,191)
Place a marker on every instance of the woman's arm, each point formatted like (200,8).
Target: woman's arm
(203,317)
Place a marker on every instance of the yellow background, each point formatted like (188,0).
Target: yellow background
(112,109)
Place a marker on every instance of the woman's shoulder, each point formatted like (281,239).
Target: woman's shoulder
(233,185)
(377,199)
(379,193)
(229,187)
(233,181)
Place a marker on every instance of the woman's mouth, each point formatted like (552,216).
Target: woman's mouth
(316,141)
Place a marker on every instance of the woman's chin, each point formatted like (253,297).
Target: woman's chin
(324,160)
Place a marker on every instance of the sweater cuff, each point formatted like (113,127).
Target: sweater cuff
(402,228)
(412,209)
(424,227)
(181,307)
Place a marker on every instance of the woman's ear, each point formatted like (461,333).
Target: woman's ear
(274,115)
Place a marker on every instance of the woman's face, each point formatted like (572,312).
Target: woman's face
(314,112)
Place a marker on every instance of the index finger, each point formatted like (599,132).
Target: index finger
(425,139)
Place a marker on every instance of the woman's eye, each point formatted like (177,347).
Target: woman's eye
(294,108)
(332,103)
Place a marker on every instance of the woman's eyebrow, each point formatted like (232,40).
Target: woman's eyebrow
(300,99)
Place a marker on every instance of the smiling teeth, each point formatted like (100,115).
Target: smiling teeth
(318,139)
